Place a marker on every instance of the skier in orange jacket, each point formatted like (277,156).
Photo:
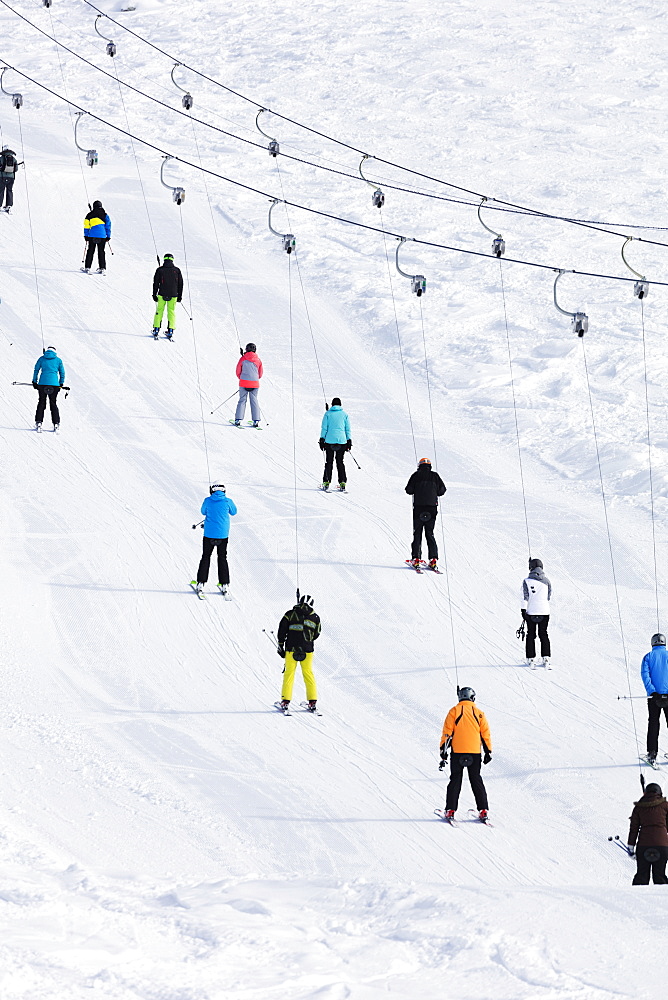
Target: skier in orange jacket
(465,734)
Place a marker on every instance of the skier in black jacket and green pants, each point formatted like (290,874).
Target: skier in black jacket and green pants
(167,291)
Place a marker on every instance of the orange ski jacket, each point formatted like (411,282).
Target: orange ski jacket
(468,729)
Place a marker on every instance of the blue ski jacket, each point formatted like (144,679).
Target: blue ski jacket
(49,369)
(217,509)
(335,426)
(654,670)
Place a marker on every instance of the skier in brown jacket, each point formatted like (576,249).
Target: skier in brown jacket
(649,834)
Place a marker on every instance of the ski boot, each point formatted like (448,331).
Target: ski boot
(325,485)
(200,588)
(155,331)
(38,428)
(415,563)
(56,428)
(86,270)
(237,423)
(170,332)
(483,815)
(256,423)
(433,564)
(285,703)
(449,814)
(342,487)
(101,270)
(531,662)
(650,758)
(223,588)
(546,662)
(312,705)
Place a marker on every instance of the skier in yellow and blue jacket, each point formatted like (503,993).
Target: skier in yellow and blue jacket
(97,232)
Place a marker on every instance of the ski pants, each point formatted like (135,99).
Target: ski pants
(307,674)
(458,762)
(334,451)
(651,859)
(171,312)
(91,243)
(653,720)
(241,405)
(537,622)
(424,519)
(208,545)
(49,392)
(7,191)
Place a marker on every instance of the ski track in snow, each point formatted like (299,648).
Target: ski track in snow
(165,834)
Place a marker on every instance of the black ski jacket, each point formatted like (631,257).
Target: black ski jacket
(425,486)
(168,281)
(299,628)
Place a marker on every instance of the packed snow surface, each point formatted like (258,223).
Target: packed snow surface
(165,833)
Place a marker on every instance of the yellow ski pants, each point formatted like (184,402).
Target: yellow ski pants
(307,673)
(171,312)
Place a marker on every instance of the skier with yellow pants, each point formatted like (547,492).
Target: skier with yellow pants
(167,291)
(298,629)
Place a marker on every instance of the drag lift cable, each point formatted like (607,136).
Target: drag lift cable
(498,243)
(111,46)
(187,100)
(579,320)
(91,154)
(178,193)
(377,198)
(418,281)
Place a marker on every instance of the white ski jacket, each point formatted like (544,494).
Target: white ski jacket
(536,593)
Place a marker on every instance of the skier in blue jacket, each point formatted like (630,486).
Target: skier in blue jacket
(654,673)
(47,378)
(217,509)
(335,440)
(97,233)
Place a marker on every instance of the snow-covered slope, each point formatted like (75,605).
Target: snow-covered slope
(166,833)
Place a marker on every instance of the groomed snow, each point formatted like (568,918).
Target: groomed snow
(165,833)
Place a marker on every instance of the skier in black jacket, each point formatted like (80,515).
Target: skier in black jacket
(425,486)
(167,291)
(8,168)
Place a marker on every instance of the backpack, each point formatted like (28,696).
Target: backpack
(8,163)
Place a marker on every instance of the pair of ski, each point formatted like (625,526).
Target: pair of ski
(418,568)
(453,822)
(202,596)
(326,489)
(302,704)
(249,423)
(546,663)
(56,429)
(167,336)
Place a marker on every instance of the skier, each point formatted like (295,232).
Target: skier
(249,373)
(97,232)
(425,486)
(654,673)
(465,733)
(297,632)
(536,594)
(216,508)
(8,168)
(167,291)
(47,378)
(648,833)
(335,441)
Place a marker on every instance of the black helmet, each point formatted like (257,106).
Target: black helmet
(216,488)
(168,256)
(466,694)
(336,401)
(653,789)
(97,204)
(250,347)
(535,564)
(658,639)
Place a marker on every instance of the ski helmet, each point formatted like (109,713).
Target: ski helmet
(535,564)
(424,461)
(466,694)
(217,488)
(51,348)
(658,639)
(653,789)
(336,401)
(306,599)
(250,347)
(168,256)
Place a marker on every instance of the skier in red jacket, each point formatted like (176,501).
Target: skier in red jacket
(249,373)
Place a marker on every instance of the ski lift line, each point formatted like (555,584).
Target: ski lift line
(651,471)
(32,239)
(192,327)
(294,419)
(338,142)
(610,549)
(517,426)
(319,212)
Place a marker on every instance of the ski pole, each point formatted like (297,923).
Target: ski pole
(271,637)
(199,523)
(110,250)
(630,697)
(619,843)
(65,388)
(226,400)
(186,311)
(355,461)
(262,414)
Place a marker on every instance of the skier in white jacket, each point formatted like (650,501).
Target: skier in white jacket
(536,594)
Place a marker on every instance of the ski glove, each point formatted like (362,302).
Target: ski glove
(155,298)
(281,651)
(487,757)
(349,444)
(444,757)
(321,442)
(631,850)
(34,385)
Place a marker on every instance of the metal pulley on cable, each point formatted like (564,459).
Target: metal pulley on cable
(640,288)
(178,193)
(418,281)
(91,154)
(377,198)
(17,99)
(111,47)
(46,3)
(579,320)
(187,99)
(273,147)
(289,242)
(498,243)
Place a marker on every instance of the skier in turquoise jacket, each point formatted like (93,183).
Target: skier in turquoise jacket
(47,378)
(217,509)
(335,441)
